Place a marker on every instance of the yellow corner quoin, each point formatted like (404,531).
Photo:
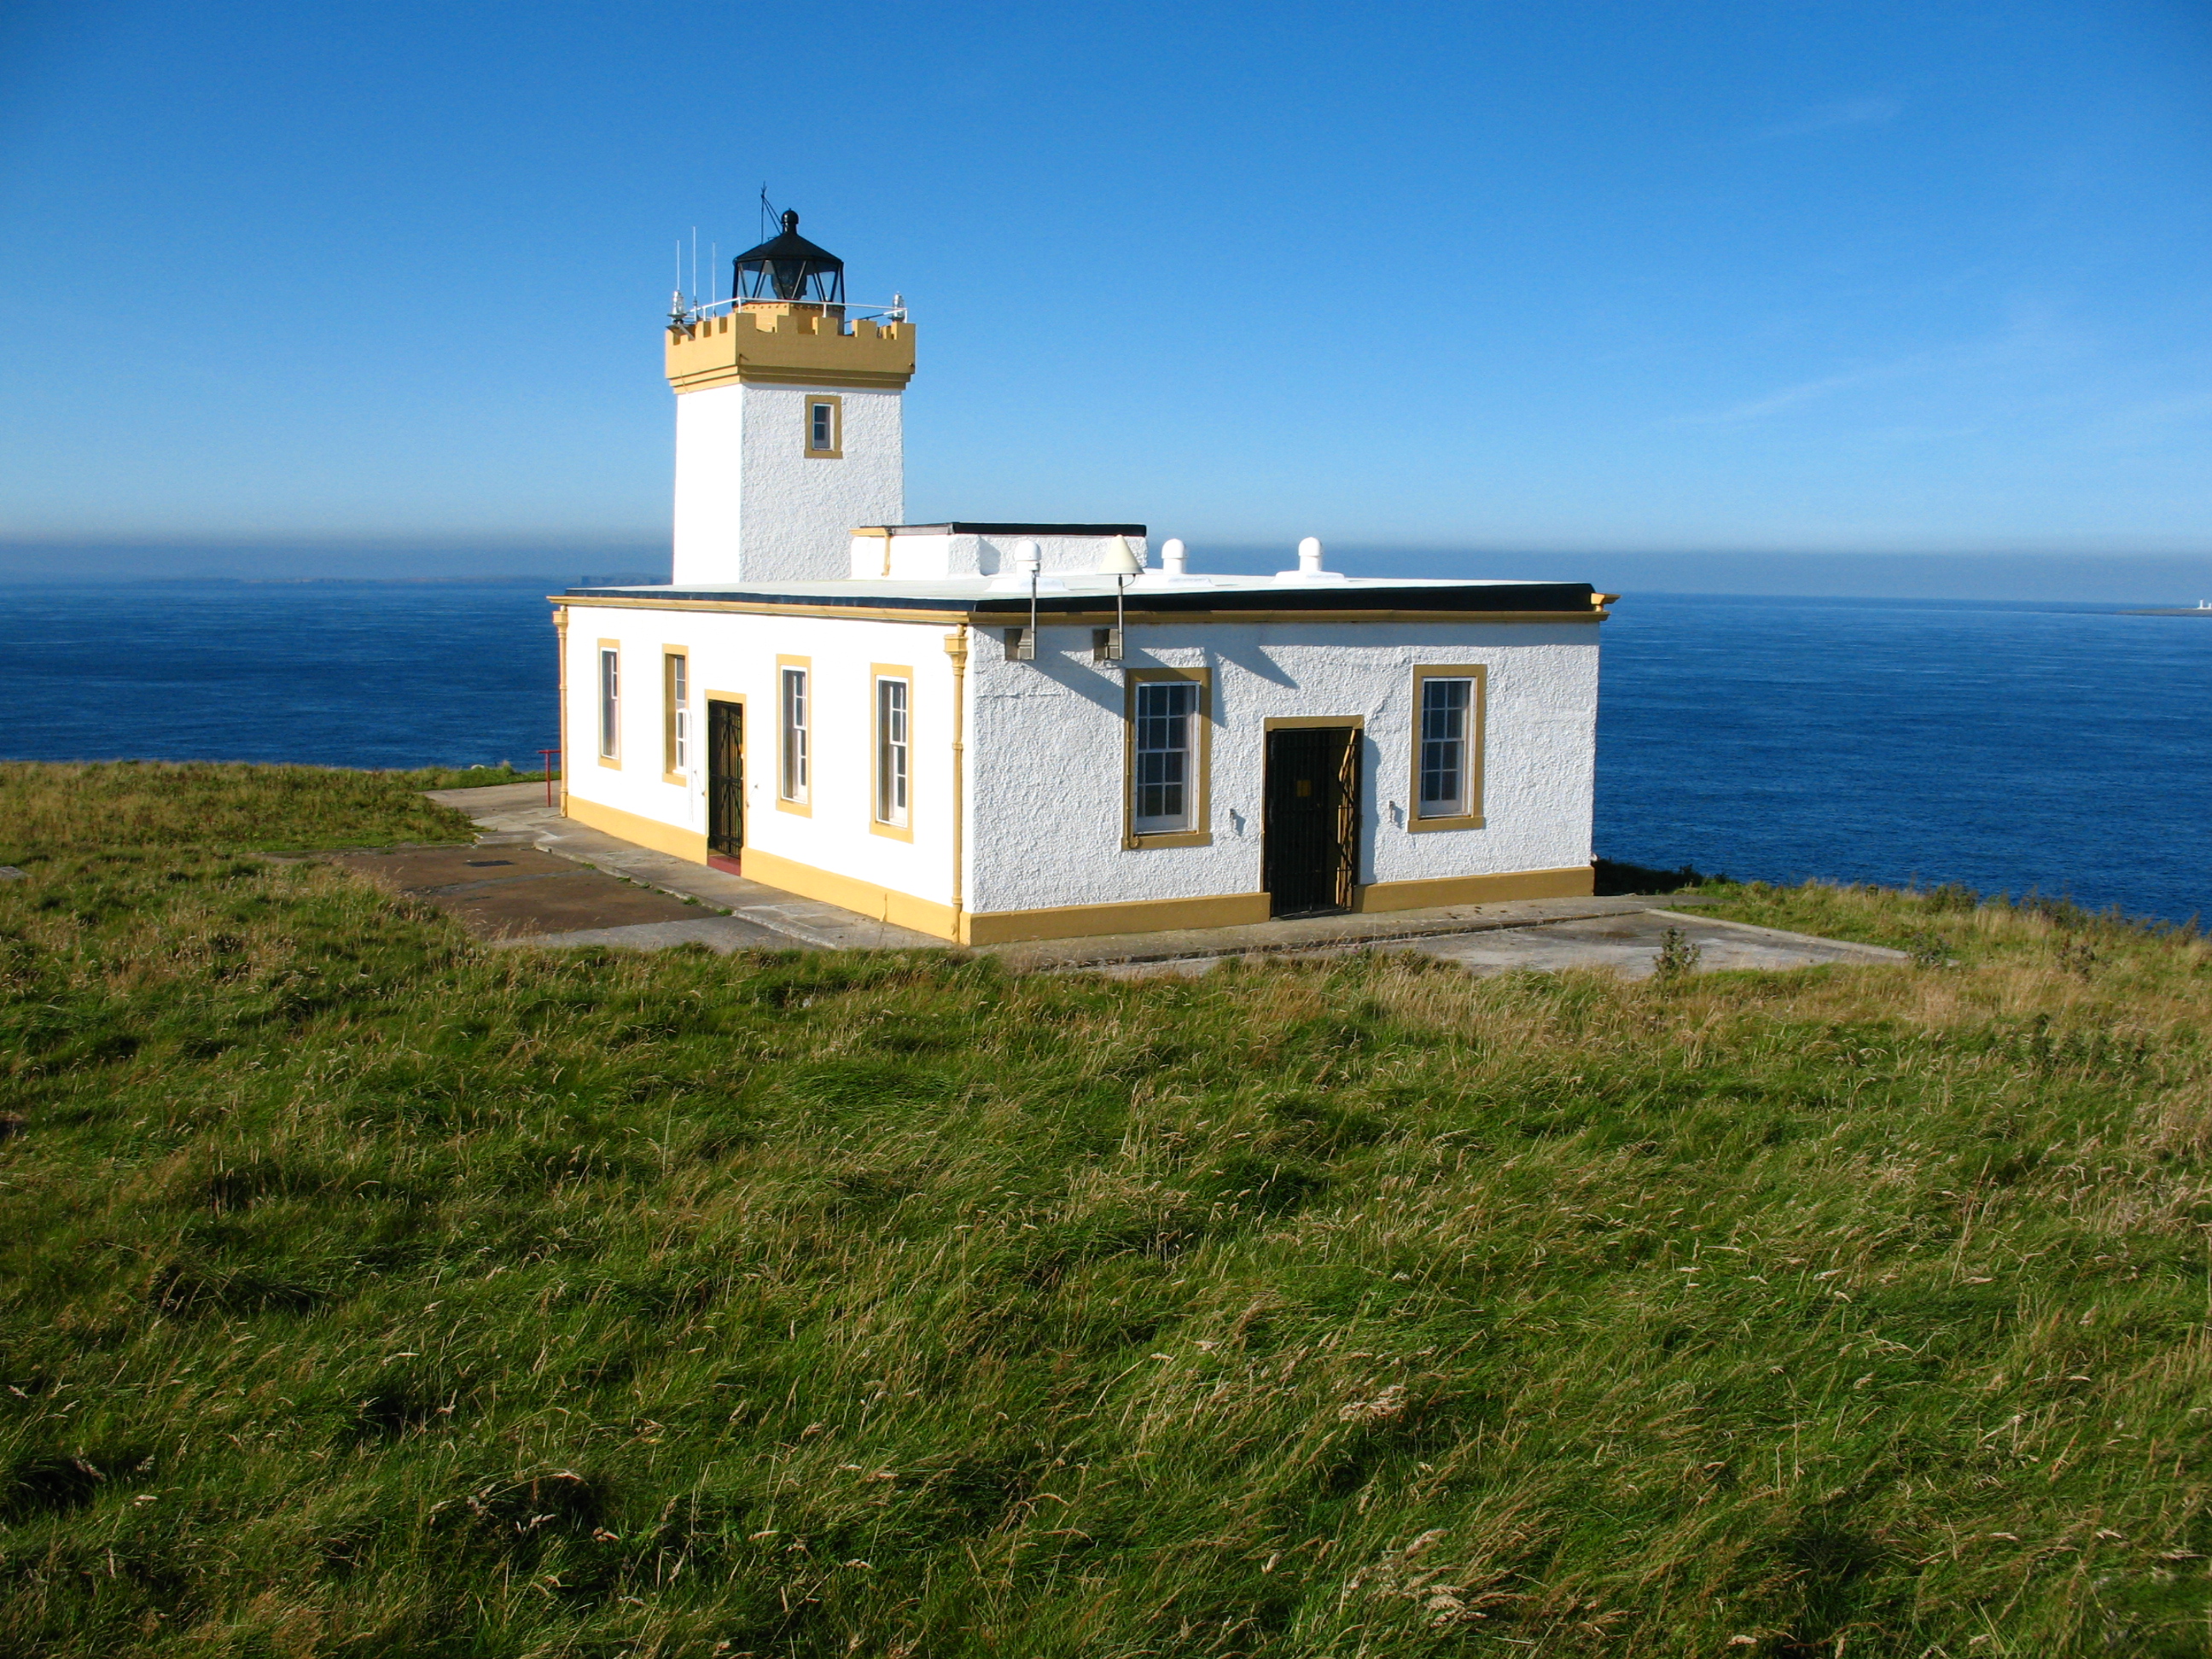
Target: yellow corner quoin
(781,343)
(689,844)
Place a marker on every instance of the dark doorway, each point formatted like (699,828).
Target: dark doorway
(726,782)
(1312,822)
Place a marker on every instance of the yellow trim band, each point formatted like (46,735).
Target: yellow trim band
(1578,881)
(1138,916)
(884,903)
(689,844)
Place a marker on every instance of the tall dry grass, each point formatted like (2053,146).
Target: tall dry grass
(367,1293)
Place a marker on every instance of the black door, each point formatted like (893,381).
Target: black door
(1312,821)
(726,778)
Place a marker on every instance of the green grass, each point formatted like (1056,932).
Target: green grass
(102,806)
(467,777)
(367,1293)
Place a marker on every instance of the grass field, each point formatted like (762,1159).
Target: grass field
(368,1293)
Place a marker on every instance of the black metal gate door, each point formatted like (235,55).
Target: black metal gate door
(1311,823)
(726,778)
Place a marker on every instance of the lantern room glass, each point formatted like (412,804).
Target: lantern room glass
(788,267)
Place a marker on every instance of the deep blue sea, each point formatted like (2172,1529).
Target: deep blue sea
(2034,747)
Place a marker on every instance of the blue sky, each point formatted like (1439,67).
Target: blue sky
(1564,277)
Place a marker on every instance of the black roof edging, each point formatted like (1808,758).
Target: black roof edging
(1445,601)
(964,529)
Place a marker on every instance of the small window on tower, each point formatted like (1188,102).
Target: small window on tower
(824,415)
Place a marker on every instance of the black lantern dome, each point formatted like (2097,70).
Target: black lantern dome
(789,267)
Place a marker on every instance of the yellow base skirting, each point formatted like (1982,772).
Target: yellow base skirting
(1140,916)
(1578,881)
(669,838)
(1068,921)
(884,903)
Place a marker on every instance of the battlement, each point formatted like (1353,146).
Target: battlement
(790,344)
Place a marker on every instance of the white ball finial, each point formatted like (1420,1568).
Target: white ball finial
(1309,556)
(1173,554)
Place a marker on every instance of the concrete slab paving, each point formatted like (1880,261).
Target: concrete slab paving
(507,894)
(1626,943)
(1622,934)
(516,814)
(1314,933)
(1629,946)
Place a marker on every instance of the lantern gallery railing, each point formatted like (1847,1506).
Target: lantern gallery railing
(685,313)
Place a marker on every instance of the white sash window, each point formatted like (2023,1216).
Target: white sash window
(1164,775)
(794,702)
(609,704)
(892,743)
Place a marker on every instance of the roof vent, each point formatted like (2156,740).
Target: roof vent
(1310,568)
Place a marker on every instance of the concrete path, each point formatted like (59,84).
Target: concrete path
(1316,935)
(517,894)
(1627,943)
(516,814)
(729,913)
(1630,946)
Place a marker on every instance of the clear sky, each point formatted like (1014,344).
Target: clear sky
(1552,276)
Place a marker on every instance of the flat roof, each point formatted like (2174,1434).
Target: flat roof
(1001,596)
(1005,529)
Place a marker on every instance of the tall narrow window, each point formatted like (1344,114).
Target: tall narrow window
(795,734)
(891,750)
(824,415)
(1164,777)
(1444,706)
(677,735)
(1448,717)
(609,704)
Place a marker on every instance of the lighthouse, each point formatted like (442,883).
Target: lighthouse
(788,429)
(987,731)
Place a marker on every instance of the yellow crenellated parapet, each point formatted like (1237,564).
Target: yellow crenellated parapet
(789,344)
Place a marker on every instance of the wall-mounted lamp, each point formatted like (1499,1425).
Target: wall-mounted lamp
(1021,642)
(1119,560)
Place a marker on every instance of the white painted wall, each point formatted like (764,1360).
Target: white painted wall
(1049,767)
(737,654)
(752,506)
(1045,747)
(922,557)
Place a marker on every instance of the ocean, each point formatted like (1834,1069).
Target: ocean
(2062,750)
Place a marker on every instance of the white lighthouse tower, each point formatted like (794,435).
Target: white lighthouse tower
(788,432)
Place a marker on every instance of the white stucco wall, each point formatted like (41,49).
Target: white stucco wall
(1049,767)
(752,505)
(927,558)
(737,654)
(1046,751)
